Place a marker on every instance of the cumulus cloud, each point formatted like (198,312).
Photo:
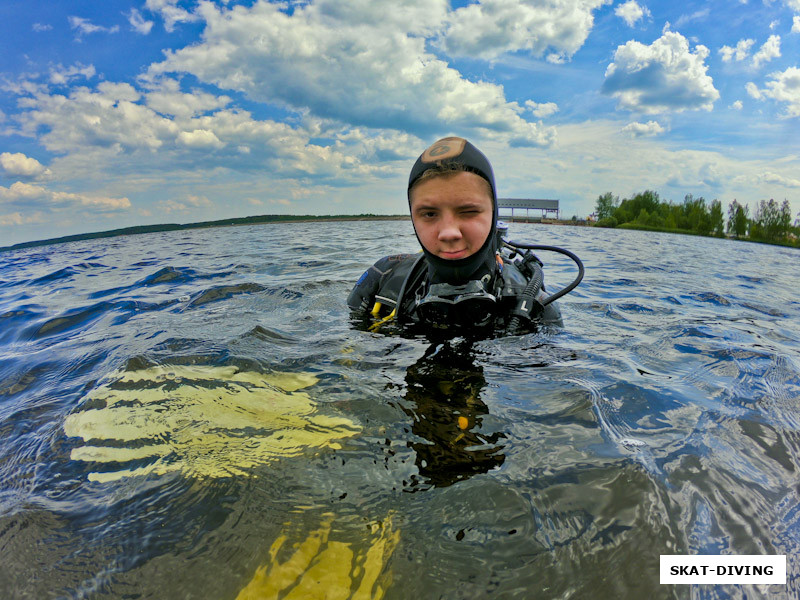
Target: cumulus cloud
(170,12)
(796,24)
(770,177)
(358,72)
(138,23)
(199,138)
(541,110)
(189,204)
(556,28)
(771,49)
(784,87)
(631,12)
(61,75)
(27,196)
(113,126)
(17,218)
(739,53)
(84,26)
(168,99)
(18,165)
(737,105)
(41,27)
(753,91)
(649,129)
(664,76)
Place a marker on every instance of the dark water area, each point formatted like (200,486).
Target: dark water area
(191,414)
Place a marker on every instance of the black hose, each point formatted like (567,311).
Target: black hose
(571,286)
(527,299)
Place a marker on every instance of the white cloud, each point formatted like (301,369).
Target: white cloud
(18,165)
(740,52)
(199,138)
(111,130)
(39,27)
(358,72)
(138,23)
(541,110)
(664,76)
(170,12)
(84,26)
(17,219)
(167,99)
(109,117)
(493,27)
(189,204)
(649,129)
(61,76)
(796,24)
(737,105)
(631,12)
(29,196)
(771,49)
(753,91)
(789,182)
(784,87)
(695,16)
(774,24)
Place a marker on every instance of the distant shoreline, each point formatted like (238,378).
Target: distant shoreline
(256,220)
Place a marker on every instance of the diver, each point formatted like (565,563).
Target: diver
(468,279)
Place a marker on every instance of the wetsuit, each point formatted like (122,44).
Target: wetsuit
(406,277)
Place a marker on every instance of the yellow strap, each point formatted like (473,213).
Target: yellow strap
(375,326)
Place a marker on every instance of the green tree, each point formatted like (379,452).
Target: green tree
(786,217)
(771,222)
(716,218)
(630,208)
(738,219)
(695,215)
(606,205)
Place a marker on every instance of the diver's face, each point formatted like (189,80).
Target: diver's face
(452,214)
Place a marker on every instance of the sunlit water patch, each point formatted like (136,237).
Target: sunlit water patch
(192,414)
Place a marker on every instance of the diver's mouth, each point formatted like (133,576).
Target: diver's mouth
(453,254)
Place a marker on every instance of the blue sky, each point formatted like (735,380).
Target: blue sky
(121,113)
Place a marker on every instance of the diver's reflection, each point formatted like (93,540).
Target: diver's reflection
(443,398)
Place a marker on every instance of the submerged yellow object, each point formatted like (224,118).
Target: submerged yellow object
(324,568)
(202,421)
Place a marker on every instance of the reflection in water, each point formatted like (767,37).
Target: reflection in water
(201,420)
(443,399)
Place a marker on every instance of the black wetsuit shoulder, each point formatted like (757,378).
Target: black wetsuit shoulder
(382,282)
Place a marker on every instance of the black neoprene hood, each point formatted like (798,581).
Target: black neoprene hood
(460,151)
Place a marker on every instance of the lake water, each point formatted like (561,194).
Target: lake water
(192,415)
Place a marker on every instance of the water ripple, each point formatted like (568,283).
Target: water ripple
(662,419)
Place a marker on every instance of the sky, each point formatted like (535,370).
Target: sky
(133,112)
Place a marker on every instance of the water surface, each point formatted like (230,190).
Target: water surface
(191,414)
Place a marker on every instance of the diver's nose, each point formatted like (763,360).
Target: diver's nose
(449,229)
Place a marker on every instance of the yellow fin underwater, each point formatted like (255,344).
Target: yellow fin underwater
(202,421)
(326,568)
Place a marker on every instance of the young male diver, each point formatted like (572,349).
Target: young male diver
(467,278)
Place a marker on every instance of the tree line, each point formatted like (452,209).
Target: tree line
(771,222)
